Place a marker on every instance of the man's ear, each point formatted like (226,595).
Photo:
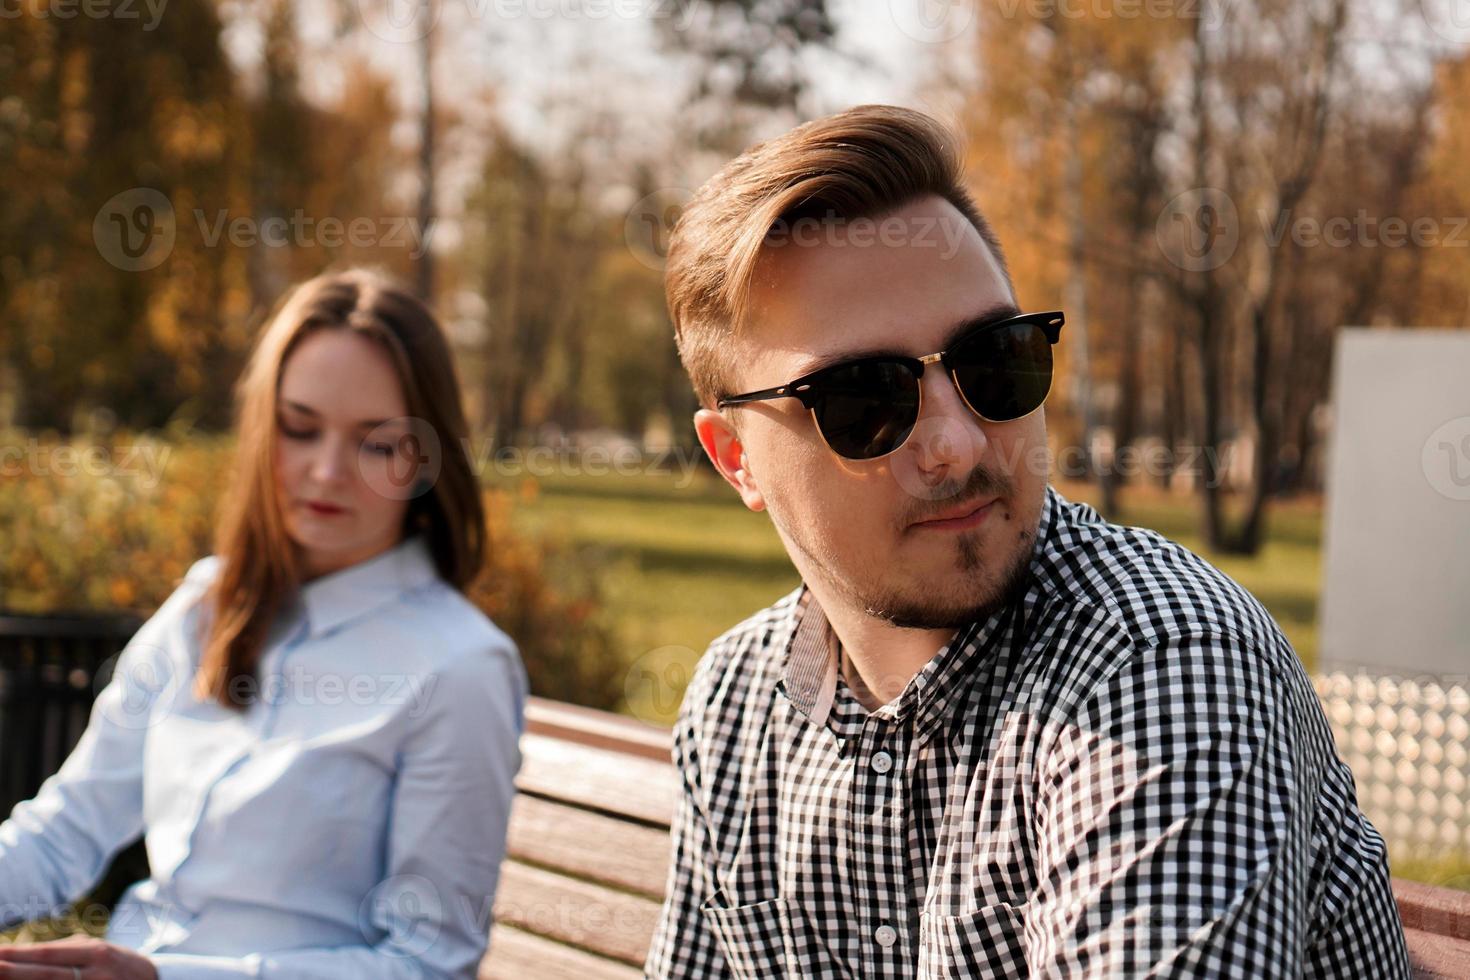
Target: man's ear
(722,446)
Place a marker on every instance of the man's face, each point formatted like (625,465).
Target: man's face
(872,529)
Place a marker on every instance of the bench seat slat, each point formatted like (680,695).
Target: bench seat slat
(577,913)
(1436,957)
(516,955)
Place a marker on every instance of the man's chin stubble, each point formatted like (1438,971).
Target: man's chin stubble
(926,614)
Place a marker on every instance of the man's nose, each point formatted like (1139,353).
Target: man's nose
(948,435)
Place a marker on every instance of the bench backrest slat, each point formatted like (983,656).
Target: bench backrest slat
(599,729)
(629,856)
(604,780)
(1442,911)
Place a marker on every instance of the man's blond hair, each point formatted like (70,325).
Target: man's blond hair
(864,162)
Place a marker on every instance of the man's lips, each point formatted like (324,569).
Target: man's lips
(960,517)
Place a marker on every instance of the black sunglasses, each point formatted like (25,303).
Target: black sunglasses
(866,408)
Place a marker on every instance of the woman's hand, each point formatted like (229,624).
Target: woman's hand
(73,957)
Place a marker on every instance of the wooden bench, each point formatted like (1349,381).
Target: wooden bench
(588,858)
(588,853)
(1437,925)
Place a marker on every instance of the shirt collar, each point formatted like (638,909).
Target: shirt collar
(337,598)
(809,674)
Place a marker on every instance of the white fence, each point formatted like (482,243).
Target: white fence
(1408,743)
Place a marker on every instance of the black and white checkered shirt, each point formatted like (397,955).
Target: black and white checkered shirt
(1125,773)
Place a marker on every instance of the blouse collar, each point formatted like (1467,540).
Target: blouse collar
(336,598)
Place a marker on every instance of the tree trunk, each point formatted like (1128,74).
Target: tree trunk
(424,266)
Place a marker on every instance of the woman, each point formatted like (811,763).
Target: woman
(317,732)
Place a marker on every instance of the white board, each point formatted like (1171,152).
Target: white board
(1396,586)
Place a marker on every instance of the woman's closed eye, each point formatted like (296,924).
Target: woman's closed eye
(374,446)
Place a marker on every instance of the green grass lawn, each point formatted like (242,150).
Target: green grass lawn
(684,560)
(1286,575)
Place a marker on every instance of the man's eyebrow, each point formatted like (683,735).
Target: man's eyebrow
(308,410)
(990,314)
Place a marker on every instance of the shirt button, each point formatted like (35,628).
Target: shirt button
(882,762)
(886,936)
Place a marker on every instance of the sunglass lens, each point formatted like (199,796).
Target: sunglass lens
(868,408)
(1004,372)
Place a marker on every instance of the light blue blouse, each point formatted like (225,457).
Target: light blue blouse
(350,823)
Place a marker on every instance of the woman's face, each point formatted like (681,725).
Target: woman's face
(344,469)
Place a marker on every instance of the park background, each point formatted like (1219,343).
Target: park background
(1211,189)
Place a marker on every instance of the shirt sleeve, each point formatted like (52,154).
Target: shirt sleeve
(1175,829)
(683,945)
(447,837)
(56,846)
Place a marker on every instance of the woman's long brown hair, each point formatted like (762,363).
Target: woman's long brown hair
(259,569)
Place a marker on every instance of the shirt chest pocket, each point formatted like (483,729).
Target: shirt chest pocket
(986,942)
(769,939)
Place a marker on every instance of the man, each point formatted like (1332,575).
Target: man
(991,734)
